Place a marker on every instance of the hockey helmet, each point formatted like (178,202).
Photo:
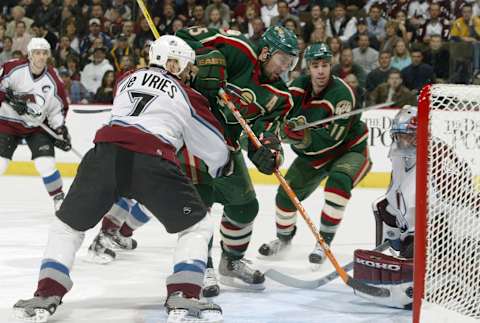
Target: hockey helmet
(318,51)
(37,43)
(171,47)
(279,38)
(404,131)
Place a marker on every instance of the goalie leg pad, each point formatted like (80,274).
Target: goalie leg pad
(395,274)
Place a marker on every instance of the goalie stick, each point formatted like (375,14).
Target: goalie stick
(291,281)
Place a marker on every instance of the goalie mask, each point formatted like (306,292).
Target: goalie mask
(171,47)
(404,133)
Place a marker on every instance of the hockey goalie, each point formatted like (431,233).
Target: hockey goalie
(395,212)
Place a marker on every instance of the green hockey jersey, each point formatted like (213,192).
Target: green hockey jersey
(328,141)
(263,103)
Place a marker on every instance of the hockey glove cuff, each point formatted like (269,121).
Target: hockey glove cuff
(269,156)
(212,73)
(66,143)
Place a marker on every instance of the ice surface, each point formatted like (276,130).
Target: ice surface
(132,289)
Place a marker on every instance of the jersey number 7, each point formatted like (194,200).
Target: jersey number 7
(140,102)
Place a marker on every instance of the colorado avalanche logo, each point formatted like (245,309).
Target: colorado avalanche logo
(46,88)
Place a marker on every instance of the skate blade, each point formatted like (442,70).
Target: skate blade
(315,266)
(240,284)
(95,258)
(207,316)
(41,315)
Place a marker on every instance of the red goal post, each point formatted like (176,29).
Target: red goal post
(447,228)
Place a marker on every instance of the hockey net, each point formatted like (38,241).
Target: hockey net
(447,237)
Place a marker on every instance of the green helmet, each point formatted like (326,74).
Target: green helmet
(282,39)
(318,51)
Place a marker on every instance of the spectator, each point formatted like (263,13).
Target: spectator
(341,25)
(114,25)
(76,92)
(375,22)
(401,56)
(391,36)
(127,64)
(143,56)
(40,30)
(362,29)
(17,54)
(258,29)
(71,33)
(364,55)
(293,25)
(198,18)
(48,14)
(142,36)
(177,24)
(268,11)
(119,50)
(91,76)
(63,51)
(438,57)
(467,29)
(435,25)
(185,11)
(21,38)
(7,52)
(18,14)
(301,66)
(417,12)
(283,14)
(169,15)
(215,19)
(310,25)
(359,92)
(397,6)
(336,47)
(104,93)
(223,9)
(73,67)
(405,29)
(94,26)
(319,34)
(240,12)
(380,74)
(392,90)
(123,10)
(245,24)
(128,31)
(418,74)
(347,66)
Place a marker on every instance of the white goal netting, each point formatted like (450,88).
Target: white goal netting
(452,260)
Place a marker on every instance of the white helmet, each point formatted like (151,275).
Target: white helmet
(171,47)
(37,43)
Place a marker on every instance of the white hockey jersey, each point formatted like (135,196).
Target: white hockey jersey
(401,193)
(154,113)
(45,91)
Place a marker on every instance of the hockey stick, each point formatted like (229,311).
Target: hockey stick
(344,115)
(350,281)
(147,16)
(291,281)
(55,136)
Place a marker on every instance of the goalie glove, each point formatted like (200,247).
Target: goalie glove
(269,156)
(65,143)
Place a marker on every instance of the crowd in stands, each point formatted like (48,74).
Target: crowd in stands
(384,49)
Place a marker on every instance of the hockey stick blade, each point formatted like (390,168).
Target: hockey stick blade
(290,281)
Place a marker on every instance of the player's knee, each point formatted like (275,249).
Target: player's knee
(244,213)
(202,230)
(45,166)
(3,165)
(339,180)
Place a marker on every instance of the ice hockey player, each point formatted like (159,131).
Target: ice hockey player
(31,93)
(154,114)
(337,151)
(252,78)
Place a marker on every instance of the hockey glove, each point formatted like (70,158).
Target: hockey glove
(212,73)
(268,157)
(17,104)
(66,143)
(298,138)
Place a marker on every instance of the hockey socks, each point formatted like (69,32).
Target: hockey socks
(235,236)
(335,202)
(187,278)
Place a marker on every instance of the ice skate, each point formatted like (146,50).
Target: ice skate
(36,309)
(237,273)
(210,284)
(120,241)
(58,200)
(191,310)
(316,257)
(100,251)
(275,247)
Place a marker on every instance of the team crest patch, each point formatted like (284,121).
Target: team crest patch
(343,107)
(46,88)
